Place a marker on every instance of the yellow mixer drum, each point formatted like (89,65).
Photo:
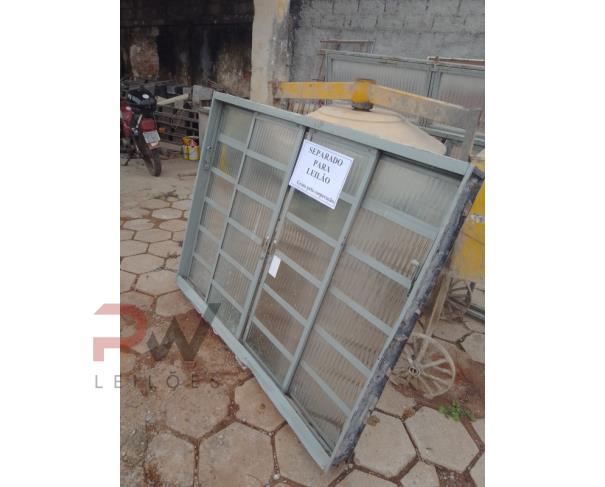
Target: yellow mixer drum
(468,255)
(381,123)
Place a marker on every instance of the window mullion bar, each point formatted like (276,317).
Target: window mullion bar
(336,345)
(230,209)
(326,389)
(379,266)
(338,247)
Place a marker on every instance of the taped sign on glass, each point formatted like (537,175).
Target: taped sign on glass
(320,173)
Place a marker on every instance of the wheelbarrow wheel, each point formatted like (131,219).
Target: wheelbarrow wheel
(458,299)
(425,365)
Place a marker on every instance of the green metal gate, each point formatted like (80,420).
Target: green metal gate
(317,302)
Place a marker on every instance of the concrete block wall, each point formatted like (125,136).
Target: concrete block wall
(408,28)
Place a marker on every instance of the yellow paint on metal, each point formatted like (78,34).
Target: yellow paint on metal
(468,257)
(315,90)
(360,91)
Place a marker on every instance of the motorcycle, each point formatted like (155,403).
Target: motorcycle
(138,129)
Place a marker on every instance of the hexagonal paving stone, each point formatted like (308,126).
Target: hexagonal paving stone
(474,345)
(479,427)
(154,204)
(440,440)
(158,282)
(126,234)
(238,456)
(170,460)
(137,299)
(357,478)
(131,476)
(174,225)
(178,236)
(154,235)
(133,421)
(296,464)
(126,281)
(474,325)
(384,447)
(450,331)
(172,263)
(421,475)
(167,214)
(134,213)
(172,304)
(165,249)
(182,204)
(255,407)
(195,411)
(393,402)
(127,362)
(132,247)
(140,224)
(141,263)
(478,472)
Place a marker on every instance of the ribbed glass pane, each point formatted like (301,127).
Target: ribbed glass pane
(206,249)
(359,154)
(264,180)
(333,368)
(220,191)
(213,220)
(241,248)
(388,242)
(251,214)
(319,215)
(308,251)
(293,288)
(231,280)
(269,356)
(274,139)
(236,123)
(421,193)
(410,77)
(374,291)
(317,407)
(228,159)
(467,91)
(351,330)
(278,321)
(199,277)
(219,306)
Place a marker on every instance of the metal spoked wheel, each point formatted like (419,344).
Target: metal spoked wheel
(458,299)
(425,365)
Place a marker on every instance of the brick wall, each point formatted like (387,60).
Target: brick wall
(409,28)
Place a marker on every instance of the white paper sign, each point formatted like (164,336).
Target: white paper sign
(274,267)
(320,173)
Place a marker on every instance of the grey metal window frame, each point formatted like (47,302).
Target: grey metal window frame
(470,182)
(434,71)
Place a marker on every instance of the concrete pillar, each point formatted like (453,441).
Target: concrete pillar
(270,56)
